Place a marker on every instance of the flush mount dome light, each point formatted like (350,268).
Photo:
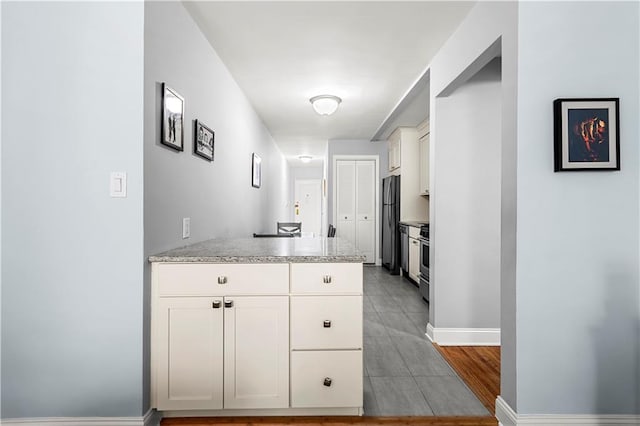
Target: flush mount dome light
(325,104)
(305,158)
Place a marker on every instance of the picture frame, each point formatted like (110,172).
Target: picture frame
(256,171)
(586,134)
(172,134)
(203,141)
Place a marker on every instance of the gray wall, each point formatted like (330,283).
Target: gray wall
(355,147)
(489,28)
(72,296)
(577,267)
(217,196)
(466,291)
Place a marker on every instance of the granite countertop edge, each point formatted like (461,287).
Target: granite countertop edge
(263,250)
(414,223)
(258,259)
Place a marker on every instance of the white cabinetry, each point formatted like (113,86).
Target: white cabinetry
(189,360)
(413,207)
(414,253)
(423,143)
(277,337)
(326,335)
(393,151)
(356,204)
(199,339)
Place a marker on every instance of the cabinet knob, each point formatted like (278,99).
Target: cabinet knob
(365,218)
(222,280)
(345,217)
(228,303)
(216,304)
(327,279)
(327,323)
(327,381)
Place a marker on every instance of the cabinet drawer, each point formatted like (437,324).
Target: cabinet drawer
(326,278)
(207,279)
(414,232)
(326,322)
(309,371)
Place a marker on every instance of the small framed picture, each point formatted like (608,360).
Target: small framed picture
(203,141)
(256,171)
(172,118)
(586,134)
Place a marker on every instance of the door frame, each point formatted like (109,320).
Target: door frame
(376,159)
(319,182)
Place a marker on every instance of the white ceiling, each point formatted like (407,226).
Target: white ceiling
(369,53)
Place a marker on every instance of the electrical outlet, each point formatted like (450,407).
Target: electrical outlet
(186,227)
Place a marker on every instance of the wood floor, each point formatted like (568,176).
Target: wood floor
(332,421)
(479,368)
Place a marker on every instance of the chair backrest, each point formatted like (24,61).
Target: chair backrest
(294,228)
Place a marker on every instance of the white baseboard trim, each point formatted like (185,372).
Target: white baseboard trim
(504,413)
(507,417)
(464,336)
(151,418)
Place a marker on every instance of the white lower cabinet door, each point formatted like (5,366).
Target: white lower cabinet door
(326,379)
(256,352)
(189,353)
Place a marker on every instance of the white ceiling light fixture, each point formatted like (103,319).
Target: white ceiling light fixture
(305,158)
(325,104)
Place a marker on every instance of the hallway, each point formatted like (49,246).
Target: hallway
(404,375)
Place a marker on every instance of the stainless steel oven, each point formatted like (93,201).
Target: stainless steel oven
(424,262)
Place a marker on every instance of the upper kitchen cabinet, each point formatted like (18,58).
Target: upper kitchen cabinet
(423,148)
(394,154)
(404,150)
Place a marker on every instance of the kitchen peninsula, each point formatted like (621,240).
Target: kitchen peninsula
(264,326)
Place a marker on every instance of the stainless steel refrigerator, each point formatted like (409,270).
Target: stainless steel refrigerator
(390,223)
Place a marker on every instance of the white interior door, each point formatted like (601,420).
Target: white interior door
(365,208)
(346,200)
(308,196)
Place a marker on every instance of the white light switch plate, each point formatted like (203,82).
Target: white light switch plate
(118,184)
(186,227)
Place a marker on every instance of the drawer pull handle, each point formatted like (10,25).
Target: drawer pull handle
(222,280)
(327,279)
(216,304)
(327,324)
(228,303)
(327,381)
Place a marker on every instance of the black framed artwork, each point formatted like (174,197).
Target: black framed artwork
(586,134)
(172,118)
(203,141)
(256,171)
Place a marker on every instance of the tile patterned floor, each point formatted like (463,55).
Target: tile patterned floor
(404,375)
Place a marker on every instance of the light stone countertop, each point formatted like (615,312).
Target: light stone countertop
(413,223)
(264,250)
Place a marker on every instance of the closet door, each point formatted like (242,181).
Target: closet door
(346,200)
(365,208)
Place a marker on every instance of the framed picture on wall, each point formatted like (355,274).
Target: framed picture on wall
(172,118)
(586,134)
(203,141)
(256,171)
